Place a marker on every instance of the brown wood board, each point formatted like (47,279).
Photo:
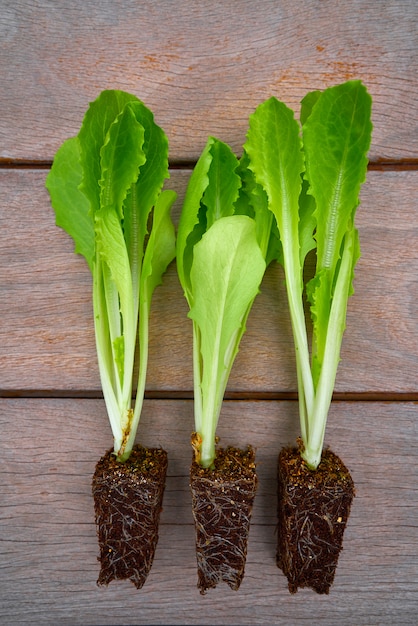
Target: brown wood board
(201,67)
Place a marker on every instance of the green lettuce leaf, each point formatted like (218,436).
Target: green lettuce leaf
(226,273)
(314,195)
(218,261)
(275,157)
(97,120)
(211,193)
(106,189)
(192,222)
(253,201)
(72,209)
(223,183)
(336,139)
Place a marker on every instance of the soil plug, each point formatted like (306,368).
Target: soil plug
(313,509)
(127,502)
(222,500)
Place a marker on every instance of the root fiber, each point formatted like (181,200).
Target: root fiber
(222,501)
(313,509)
(127,502)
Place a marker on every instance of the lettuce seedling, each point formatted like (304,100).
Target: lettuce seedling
(106,189)
(220,267)
(312,184)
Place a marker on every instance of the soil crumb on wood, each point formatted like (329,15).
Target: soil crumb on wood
(222,500)
(127,502)
(313,509)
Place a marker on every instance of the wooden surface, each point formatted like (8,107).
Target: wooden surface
(202,67)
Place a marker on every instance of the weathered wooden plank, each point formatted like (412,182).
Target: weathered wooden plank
(46,335)
(47,536)
(202,67)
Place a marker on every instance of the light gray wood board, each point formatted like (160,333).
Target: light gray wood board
(47,535)
(47,337)
(201,67)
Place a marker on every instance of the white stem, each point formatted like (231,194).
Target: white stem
(335,331)
(297,316)
(105,353)
(132,426)
(197,379)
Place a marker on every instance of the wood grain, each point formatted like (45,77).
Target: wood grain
(48,541)
(46,335)
(201,67)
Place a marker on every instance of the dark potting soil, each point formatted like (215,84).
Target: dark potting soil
(222,500)
(313,509)
(127,503)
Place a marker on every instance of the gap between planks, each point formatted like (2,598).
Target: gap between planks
(230,396)
(396,165)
